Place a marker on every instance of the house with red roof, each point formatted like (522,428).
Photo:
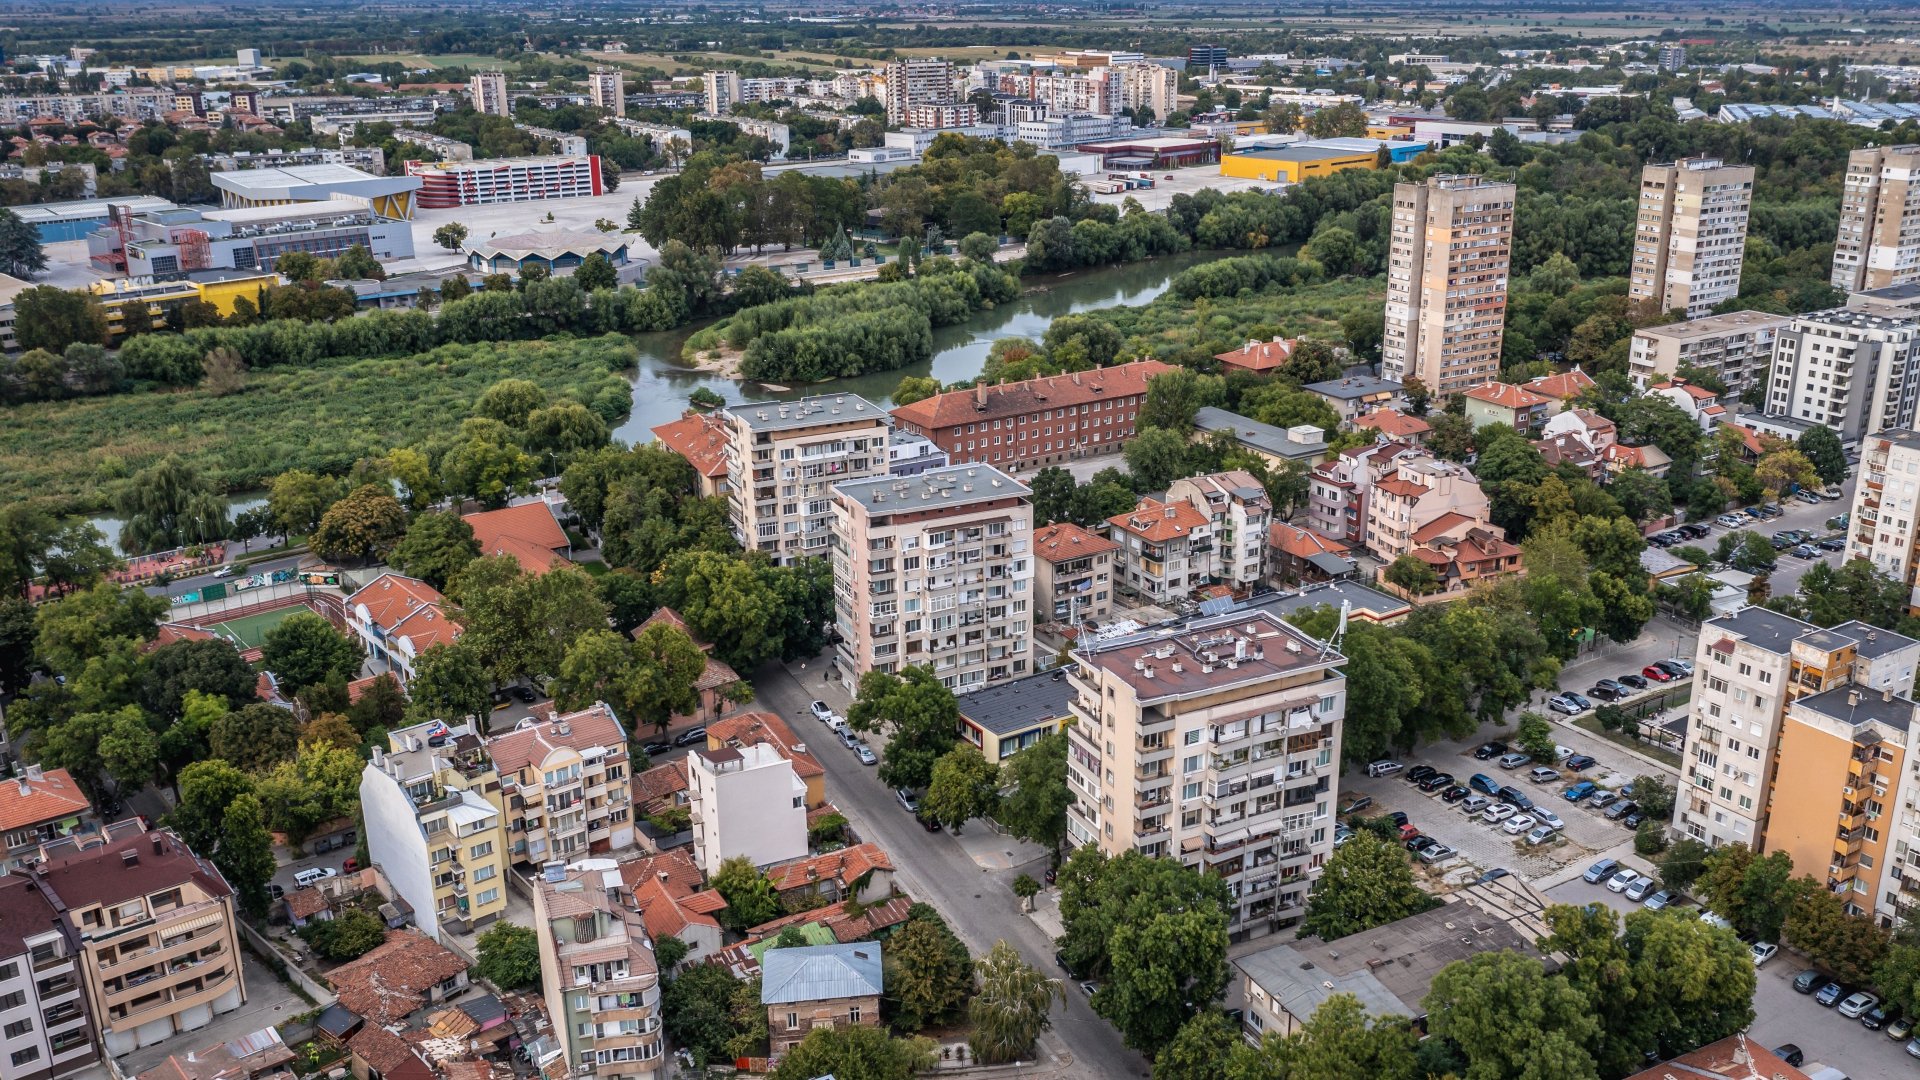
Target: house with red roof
(862,872)
(1166,548)
(1619,459)
(1698,402)
(1259,357)
(529,533)
(1461,552)
(1035,422)
(1396,425)
(1561,387)
(560,771)
(1736,1057)
(716,683)
(674,900)
(397,619)
(1504,403)
(1338,489)
(1420,491)
(701,438)
(757,728)
(1073,573)
(41,805)
(1303,556)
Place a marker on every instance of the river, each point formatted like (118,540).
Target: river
(662,381)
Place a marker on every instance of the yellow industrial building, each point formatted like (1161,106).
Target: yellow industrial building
(1292,164)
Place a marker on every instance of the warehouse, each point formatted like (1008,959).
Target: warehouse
(1292,164)
(388,196)
(58,222)
(1159,152)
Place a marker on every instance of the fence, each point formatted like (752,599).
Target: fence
(284,967)
(325,599)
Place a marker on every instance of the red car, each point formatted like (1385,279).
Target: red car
(1408,832)
(1656,673)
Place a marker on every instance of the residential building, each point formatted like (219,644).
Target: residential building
(1394,426)
(1617,458)
(1040,421)
(607,90)
(1299,555)
(1736,1057)
(1736,347)
(564,779)
(713,688)
(438,145)
(1504,403)
(488,92)
(1354,396)
(1420,490)
(1691,234)
(862,872)
(598,973)
(952,114)
(761,728)
(935,570)
(1339,488)
(158,937)
(39,805)
(1072,574)
(1277,446)
(1003,720)
(1879,240)
(746,802)
(722,90)
(773,131)
(1360,601)
(827,986)
(528,533)
(1446,312)
(1462,551)
(436,825)
(1166,549)
(1884,525)
(1673,57)
(1259,357)
(1150,86)
(397,619)
(446,184)
(917,82)
(1749,668)
(701,438)
(1856,372)
(397,978)
(1391,967)
(45,1028)
(1215,742)
(909,454)
(1238,508)
(783,458)
(674,901)
(1700,404)
(1560,388)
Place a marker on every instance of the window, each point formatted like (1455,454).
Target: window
(13,1000)
(9,971)
(481,851)
(793,1021)
(853,1014)
(21,1057)
(488,897)
(19,1028)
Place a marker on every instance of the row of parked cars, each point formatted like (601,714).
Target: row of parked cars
(1622,686)
(1860,1005)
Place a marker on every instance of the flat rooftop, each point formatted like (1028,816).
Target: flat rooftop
(935,489)
(281,176)
(1761,627)
(1211,654)
(816,411)
(1300,152)
(1714,325)
(1354,386)
(1858,706)
(1020,705)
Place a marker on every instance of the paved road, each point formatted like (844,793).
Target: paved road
(934,867)
(181,586)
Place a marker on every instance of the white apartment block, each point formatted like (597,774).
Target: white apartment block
(1691,234)
(746,801)
(1736,346)
(433,826)
(917,82)
(936,570)
(1879,239)
(598,973)
(783,458)
(1239,510)
(1215,742)
(1447,282)
(607,89)
(1856,372)
(45,1030)
(722,89)
(488,92)
(1150,86)
(1884,526)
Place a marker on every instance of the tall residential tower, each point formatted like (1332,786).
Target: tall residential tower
(1692,233)
(1447,282)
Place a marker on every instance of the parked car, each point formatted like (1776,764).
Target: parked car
(1420,772)
(655,749)
(1518,823)
(1600,871)
(1548,818)
(1831,543)
(1767,511)
(1577,699)
(1674,668)
(1696,530)
(1603,798)
(821,711)
(1610,689)
(1356,805)
(312,875)
(1436,853)
(1513,761)
(1620,809)
(1455,793)
(1790,1054)
(1517,797)
(1830,994)
(1875,1018)
(690,736)
(1637,682)
(1808,981)
(1564,705)
(1839,522)
(1473,804)
(1808,497)
(1398,817)
(1633,820)
(1662,899)
(1499,872)
(1857,1004)
(1383,768)
(1483,782)
(1420,842)
(1831,494)
(906,799)
(1913,1048)
(1805,551)
(1539,834)
(1763,951)
(1622,878)
(1090,988)
(1488,750)
(1730,521)
(1436,782)
(1499,812)
(276,892)
(1542,775)
(1641,888)
(865,754)
(1580,791)
(1900,1028)
(1408,832)
(1656,673)
(1341,834)
(933,825)
(1581,762)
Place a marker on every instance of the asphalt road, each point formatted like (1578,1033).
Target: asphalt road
(182,586)
(978,903)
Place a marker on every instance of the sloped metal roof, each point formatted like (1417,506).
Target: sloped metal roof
(820,973)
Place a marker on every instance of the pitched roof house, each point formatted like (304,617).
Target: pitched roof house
(528,532)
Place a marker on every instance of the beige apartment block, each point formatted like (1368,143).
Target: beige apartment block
(934,569)
(436,825)
(1736,346)
(1447,282)
(1879,240)
(722,90)
(598,972)
(565,782)
(1419,491)
(783,459)
(918,82)
(1073,574)
(607,89)
(1691,234)
(1215,742)
(1240,511)
(488,90)
(1884,524)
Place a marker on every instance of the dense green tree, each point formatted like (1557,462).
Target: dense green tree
(1368,882)
(169,504)
(20,252)
(51,318)
(750,896)
(1818,924)
(298,499)
(918,715)
(698,1007)
(360,527)
(304,649)
(1035,780)
(436,547)
(1174,396)
(1011,1007)
(349,935)
(1683,863)
(449,681)
(245,855)
(1157,457)
(509,957)
(1822,448)
(928,972)
(206,789)
(855,1052)
(964,785)
(725,601)
(212,666)
(1511,1020)
(255,736)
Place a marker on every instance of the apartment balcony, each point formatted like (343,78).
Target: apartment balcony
(1847,845)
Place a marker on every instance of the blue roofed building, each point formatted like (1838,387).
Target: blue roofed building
(811,986)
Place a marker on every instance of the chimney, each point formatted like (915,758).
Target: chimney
(26,788)
(663,876)
(1853,698)
(35,773)
(129,858)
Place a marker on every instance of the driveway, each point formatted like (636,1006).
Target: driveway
(270,1003)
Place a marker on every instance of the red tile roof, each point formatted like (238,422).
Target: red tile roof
(1155,521)
(100,875)
(407,607)
(1450,523)
(1019,398)
(701,438)
(1394,424)
(1056,543)
(25,802)
(528,532)
(1635,457)
(1506,395)
(678,865)
(1561,385)
(660,782)
(845,867)
(1697,393)
(1303,543)
(388,1054)
(1259,355)
(754,728)
(871,920)
(393,980)
(1736,1057)
(671,894)
(531,741)
(1401,486)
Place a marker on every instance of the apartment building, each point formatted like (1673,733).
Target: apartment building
(1749,667)
(446,184)
(1338,490)
(952,114)
(488,92)
(1691,234)
(607,90)
(1420,491)
(1737,347)
(1856,372)
(1673,57)
(1035,422)
(1884,525)
(397,619)
(1504,403)
(722,91)
(917,82)
(783,458)
(435,825)
(934,569)
(598,973)
(1215,742)
(1879,240)
(746,801)
(1073,574)
(1447,282)
(45,1030)
(1166,549)
(1150,86)
(158,944)
(1238,508)
(564,780)
(37,806)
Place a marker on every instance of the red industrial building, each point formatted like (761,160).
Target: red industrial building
(501,180)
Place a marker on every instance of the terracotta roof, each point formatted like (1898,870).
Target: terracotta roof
(1697,393)
(1155,521)
(531,741)
(172,632)
(1259,355)
(386,1052)
(1057,543)
(1019,398)
(23,910)
(407,607)
(871,920)
(715,675)
(754,728)
(1560,385)
(668,910)
(1400,486)
(1303,543)
(1451,523)
(255,1054)
(701,438)
(1393,423)
(1736,1057)
(528,532)
(306,903)
(677,864)
(1638,457)
(1566,447)
(1506,395)
(660,782)
(393,980)
(25,802)
(820,813)
(844,866)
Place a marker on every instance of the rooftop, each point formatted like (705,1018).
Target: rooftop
(1058,543)
(1020,705)
(36,796)
(24,912)
(701,438)
(1714,325)
(547,243)
(1158,522)
(1506,395)
(1353,387)
(1760,627)
(1858,705)
(131,862)
(393,980)
(807,412)
(528,532)
(1302,442)
(820,973)
(845,866)
(1736,1057)
(1208,655)
(757,728)
(1028,395)
(1393,424)
(532,741)
(249,1055)
(935,489)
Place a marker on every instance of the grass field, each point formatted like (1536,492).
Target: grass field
(250,631)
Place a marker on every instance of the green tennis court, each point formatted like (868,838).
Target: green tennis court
(250,631)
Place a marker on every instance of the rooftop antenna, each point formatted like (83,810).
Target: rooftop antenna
(1339,632)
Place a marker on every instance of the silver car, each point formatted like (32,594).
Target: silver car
(1641,887)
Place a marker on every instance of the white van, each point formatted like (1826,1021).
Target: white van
(306,879)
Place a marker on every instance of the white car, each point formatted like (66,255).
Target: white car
(1762,952)
(1499,812)
(1548,818)
(1518,824)
(821,711)
(1857,1004)
(1619,881)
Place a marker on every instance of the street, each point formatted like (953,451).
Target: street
(935,867)
(184,585)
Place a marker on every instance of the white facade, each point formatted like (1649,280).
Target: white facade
(917,82)
(1239,509)
(488,90)
(1856,372)
(42,1034)
(746,801)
